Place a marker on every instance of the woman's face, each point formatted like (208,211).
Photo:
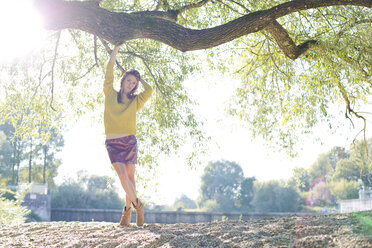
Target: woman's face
(129,83)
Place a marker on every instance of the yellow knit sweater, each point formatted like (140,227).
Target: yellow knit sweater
(120,118)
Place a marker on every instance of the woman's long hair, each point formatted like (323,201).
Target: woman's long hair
(131,95)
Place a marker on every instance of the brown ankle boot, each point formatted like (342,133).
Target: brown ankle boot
(125,218)
(140,209)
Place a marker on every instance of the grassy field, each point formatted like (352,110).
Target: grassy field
(363,223)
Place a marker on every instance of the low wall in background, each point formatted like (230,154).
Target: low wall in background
(39,204)
(37,198)
(166,217)
(356,205)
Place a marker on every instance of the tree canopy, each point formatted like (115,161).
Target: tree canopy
(221,181)
(295,61)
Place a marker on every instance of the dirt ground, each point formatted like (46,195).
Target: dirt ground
(310,231)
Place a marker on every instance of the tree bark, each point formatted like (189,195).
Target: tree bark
(30,162)
(284,41)
(119,27)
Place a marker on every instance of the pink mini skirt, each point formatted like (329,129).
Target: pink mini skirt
(123,150)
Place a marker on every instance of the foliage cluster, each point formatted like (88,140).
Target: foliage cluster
(336,175)
(11,210)
(281,99)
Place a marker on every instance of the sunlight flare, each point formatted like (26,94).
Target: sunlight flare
(21,29)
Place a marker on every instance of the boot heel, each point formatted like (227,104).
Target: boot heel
(125,218)
(140,209)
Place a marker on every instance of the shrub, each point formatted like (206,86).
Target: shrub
(11,211)
(344,189)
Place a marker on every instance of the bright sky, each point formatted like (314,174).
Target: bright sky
(84,142)
(21,29)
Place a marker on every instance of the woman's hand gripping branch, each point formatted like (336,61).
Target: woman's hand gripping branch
(114,53)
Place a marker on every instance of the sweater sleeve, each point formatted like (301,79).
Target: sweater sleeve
(109,78)
(144,96)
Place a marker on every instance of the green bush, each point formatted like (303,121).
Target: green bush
(11,210)
(344,189)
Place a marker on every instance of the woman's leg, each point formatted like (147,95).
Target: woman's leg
(127,184)
(130,190)
(138,205)
(130,172)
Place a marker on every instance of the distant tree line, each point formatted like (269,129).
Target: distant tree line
(27,159)
(335,175)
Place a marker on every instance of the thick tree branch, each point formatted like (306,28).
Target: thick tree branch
(285,42)
(170,15)
(281,37)
(118,27)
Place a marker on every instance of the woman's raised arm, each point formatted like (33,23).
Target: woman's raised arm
(114,53)
(109,76)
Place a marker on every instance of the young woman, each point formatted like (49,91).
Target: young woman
(120,128)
